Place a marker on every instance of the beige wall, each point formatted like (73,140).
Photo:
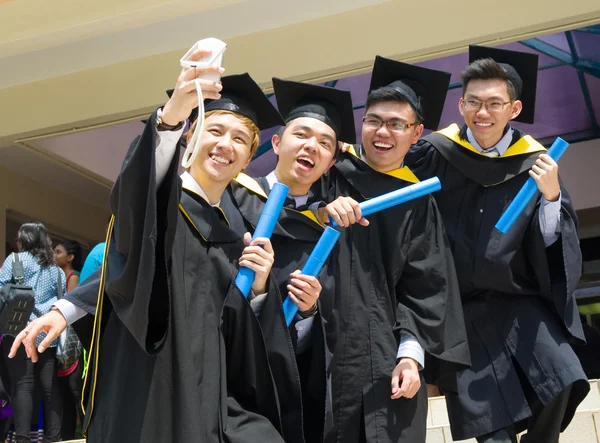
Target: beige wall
(579,170)
(59,211)
(403,30)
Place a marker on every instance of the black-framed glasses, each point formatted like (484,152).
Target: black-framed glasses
(494,105)
(392,125)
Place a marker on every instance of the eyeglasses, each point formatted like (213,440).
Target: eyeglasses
(392,125)
(475,105)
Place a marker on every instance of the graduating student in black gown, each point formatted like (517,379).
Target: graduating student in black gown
(317,118)
(177,353)
(399,308)
(517,288)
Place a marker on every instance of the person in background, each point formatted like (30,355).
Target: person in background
(68,256)
(92,261)
(35,252)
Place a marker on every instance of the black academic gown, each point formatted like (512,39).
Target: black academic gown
(177,353)
(396,274)
(520,311)
(300,377)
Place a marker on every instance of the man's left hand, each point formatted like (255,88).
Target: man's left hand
(407,373)
(304,290)
(545,174)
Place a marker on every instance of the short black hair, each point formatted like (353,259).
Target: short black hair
(282,129)
(488,69)
(387,94)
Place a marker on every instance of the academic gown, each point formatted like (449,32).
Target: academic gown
(172,333)
(300,378)
(395,274)
(85,296)
(517,294)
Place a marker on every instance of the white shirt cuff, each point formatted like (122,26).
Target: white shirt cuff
(304,330)
(550,220)
(256,302)
(71,312)
(410,348)
(167,145)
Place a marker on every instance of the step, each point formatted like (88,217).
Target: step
(585,427)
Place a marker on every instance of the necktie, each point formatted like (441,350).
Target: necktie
(289,203)
(491,153)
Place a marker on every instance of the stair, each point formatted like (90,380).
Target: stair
(585,427)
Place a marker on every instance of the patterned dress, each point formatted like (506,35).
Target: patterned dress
(43,280)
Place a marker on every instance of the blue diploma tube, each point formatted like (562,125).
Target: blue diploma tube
(313,266)
(397,197)
(528,191)
(264,228)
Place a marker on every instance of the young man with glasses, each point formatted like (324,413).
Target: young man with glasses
(398,319)
(517,288)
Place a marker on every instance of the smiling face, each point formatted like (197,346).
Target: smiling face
(385,149)
(226,148)
(306,151)
(488,125)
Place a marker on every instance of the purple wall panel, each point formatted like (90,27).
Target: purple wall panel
(587,45)
(560,106)
(593,84)
(557,40)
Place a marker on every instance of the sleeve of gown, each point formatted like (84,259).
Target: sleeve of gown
(138,267)
(83,300)
(253,410)
(245,426)
(85,296)
(558,266)
(429,305)
(422,159)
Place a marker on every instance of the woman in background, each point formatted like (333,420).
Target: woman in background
(40,272)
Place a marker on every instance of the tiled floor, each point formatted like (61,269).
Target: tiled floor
(585,427)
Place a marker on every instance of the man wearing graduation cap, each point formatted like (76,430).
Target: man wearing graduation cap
(517,288)
(399,320)
(316,119)
(172,334)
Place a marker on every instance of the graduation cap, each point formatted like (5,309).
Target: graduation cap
(242,95)
(425,89)
(521,68)
(332,106)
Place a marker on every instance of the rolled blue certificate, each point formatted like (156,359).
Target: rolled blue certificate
(527,192)
(397,197)
(264,228)
(313,266)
